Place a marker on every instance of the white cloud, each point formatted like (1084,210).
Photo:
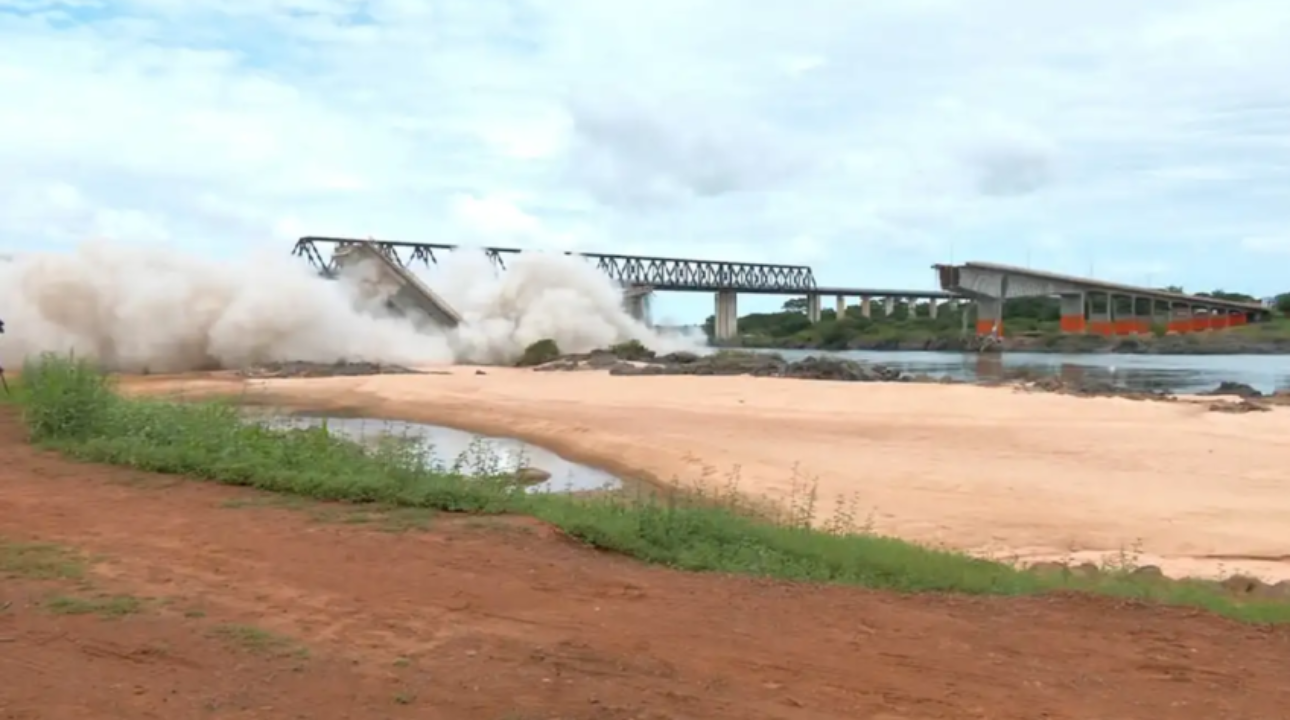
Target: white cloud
(868,138)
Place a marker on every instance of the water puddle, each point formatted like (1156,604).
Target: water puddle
(445,446)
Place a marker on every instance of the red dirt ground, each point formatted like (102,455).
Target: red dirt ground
(506,620)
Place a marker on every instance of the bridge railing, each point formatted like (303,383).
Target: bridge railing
(660,273)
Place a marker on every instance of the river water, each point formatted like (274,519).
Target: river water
(474,454)
(1173,373)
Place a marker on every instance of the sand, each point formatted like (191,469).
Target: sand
(1006,474)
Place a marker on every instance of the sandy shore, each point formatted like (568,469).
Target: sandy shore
(989,470)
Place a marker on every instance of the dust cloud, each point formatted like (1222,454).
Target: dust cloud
(141,308)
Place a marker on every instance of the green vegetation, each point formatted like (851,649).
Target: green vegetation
(39,561)
(911,326)
(107,606)
(542,351)
(257,640)
(69,406)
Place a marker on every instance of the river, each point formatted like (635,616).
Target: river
(1174,373)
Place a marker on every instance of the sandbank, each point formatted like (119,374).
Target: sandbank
(1012,475)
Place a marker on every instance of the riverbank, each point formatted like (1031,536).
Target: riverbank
(373,603)
(991,471)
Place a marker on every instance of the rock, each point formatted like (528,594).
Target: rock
(1027,380)
(601,359)
(340,368)
(1279,591)
(1235,389)
(678,358)
(531,476)
(1244,585)
(1240,407)
(561,365)
(480,372)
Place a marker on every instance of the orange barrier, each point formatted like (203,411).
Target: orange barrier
(1132,326)
(1074,324)
(986,327)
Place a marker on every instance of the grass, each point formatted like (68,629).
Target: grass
(257,640)
(69,405)
(39,561)
(108,606)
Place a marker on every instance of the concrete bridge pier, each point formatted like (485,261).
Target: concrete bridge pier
(726,325)
(637,304)
(989,316)
(1074,308)
(813,307)
(931,308)
(889,306)
(866,307)
(841,306)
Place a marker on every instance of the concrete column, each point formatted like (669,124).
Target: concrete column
(931,308)
(727,316)
(989,316)
(889,306)
(813,307)
(638,307)
(865,309)
(1157,316)
(1073,308)
(1100,322)
(841,306)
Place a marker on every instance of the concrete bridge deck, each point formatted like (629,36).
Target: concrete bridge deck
(405,292)
(1122,310)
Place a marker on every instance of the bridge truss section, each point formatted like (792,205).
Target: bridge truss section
(658,273)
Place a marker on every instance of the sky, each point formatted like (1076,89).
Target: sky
(1144,142)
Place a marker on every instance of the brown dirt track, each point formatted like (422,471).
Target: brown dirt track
(506,620)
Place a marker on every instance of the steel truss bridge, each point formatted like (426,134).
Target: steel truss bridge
(656,273)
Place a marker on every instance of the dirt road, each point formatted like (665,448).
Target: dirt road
(226,604)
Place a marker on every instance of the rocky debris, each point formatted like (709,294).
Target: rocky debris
(340,368)
(1083,571)
(728,363)
(1241,586)
(1234,389)
(1242,406)
(767,365)
(1088,388)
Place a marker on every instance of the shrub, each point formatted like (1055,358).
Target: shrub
(540,352)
